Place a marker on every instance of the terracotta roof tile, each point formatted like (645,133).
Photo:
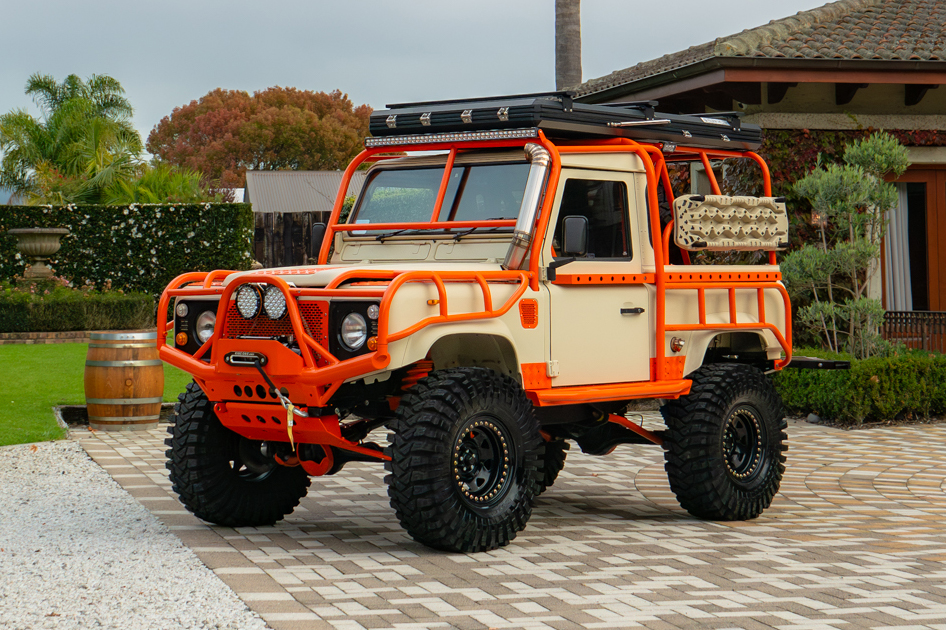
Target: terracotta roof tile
(912,30)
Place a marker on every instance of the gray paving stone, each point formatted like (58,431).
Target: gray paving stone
(855,539)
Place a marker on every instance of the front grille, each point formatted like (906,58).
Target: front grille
(314,318)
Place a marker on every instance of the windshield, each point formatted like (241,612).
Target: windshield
(475,192)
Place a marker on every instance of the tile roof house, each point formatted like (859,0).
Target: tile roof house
(828,74)
(844,44)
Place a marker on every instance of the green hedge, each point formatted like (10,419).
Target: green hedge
(69,309)
(140,247)
(910,384)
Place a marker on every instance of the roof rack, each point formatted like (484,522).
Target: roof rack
(561,118)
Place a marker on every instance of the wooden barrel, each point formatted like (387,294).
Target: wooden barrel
(124,381)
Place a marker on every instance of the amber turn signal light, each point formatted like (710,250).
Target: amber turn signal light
(372,343)
(181,339)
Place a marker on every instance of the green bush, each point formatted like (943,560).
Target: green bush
(138,248)
(49,306)
(907,384)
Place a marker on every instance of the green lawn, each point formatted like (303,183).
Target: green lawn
(37,377)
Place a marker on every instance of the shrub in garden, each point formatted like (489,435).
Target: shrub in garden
(904,384)
(52,305)
(831,277)
(136,248)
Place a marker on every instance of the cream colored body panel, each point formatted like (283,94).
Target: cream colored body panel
(683,309)
(618,162)
(365,250)
(529,345)
(591,340)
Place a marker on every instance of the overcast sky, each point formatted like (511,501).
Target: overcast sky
(169,52)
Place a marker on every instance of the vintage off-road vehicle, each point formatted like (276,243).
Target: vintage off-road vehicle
(513,273)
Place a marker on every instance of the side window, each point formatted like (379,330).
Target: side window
(605,205)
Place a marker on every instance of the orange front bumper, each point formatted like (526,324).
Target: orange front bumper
(269,422)
(309,386)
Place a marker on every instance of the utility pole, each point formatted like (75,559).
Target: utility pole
(567,44)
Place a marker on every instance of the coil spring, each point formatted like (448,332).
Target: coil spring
(416,372)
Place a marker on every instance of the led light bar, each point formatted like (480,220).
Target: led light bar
(457,136)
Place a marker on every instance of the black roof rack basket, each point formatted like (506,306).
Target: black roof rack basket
(558,116)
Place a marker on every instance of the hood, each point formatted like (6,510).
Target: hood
(316,276)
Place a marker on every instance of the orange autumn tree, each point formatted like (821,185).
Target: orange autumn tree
(227,132)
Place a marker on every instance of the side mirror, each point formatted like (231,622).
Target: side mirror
(575,235)
(315,244)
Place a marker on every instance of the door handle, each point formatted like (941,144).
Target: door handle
(637,310)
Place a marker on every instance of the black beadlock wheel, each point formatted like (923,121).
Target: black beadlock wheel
(725,443)
(482,453)
(553,463)
(222,477)
(466,457)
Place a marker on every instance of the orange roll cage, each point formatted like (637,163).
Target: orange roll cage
(325,379)
(655,166)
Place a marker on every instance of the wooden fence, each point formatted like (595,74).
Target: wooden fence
(284,239)
(923,330)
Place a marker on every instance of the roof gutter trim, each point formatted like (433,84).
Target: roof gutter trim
(715,63)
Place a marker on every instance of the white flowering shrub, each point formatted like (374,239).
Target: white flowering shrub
(140,247)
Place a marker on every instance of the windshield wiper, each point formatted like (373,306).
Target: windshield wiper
(459,235)
(386,235)
(456,237)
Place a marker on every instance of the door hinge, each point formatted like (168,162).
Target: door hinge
(551,369)
(543,274)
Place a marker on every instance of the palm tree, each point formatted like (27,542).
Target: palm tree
(105,93)
(567,44)
(82,142)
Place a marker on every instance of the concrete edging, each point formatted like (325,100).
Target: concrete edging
(65,336)
(68,416)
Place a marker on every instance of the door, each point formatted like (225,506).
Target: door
(916,262)
(600,310)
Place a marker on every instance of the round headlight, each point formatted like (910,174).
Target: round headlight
(274,302)
(205,325)
(373,311)
(354,331)
(248,301)
(181,309)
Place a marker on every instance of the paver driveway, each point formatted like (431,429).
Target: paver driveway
(855,539)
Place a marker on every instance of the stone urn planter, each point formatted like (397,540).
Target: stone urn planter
(38,244)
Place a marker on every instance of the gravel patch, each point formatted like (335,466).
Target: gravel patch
(77,552)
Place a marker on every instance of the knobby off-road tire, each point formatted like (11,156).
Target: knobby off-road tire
(553,463)
(466,460)
(725,443)
(222,477)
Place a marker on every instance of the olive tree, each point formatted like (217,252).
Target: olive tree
(850,202)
